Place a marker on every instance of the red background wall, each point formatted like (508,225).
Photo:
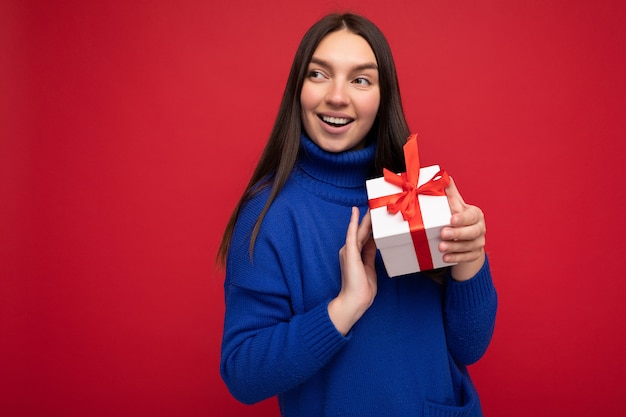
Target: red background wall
(129,129)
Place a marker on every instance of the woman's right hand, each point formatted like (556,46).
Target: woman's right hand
(358,274)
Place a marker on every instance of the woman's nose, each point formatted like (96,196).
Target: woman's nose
(337,94)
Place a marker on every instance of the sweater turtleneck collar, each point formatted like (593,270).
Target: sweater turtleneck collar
(341,175)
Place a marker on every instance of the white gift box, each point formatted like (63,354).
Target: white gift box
(392,233)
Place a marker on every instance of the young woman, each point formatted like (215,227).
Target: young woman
(311,315)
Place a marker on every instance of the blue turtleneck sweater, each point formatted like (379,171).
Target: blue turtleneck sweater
(406,356)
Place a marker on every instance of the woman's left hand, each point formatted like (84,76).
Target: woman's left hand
(464,241)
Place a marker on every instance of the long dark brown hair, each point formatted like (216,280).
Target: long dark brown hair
(390,129)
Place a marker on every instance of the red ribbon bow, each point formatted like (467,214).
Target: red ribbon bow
(407,201)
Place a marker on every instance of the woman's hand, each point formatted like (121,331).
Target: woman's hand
(358,274)
(464,240)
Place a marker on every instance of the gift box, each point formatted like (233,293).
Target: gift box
(408,211)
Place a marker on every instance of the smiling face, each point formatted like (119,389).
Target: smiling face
(340,94)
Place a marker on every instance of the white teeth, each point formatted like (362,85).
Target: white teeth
(335,120)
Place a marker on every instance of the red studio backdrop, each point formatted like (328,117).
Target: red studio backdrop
(128,131)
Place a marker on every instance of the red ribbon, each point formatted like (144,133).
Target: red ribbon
(407,202)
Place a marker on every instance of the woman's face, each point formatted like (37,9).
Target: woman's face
(340,94)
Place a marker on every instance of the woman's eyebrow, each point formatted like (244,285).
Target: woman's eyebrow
(358,67)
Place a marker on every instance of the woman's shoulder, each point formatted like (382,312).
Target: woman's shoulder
(280,217)
(287,199)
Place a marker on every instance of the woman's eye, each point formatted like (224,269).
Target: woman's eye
(316,74)
(362,81)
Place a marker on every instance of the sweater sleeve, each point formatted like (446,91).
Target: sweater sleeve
(267,349)
(470,313)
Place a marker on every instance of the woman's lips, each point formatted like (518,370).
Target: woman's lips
(335,121)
